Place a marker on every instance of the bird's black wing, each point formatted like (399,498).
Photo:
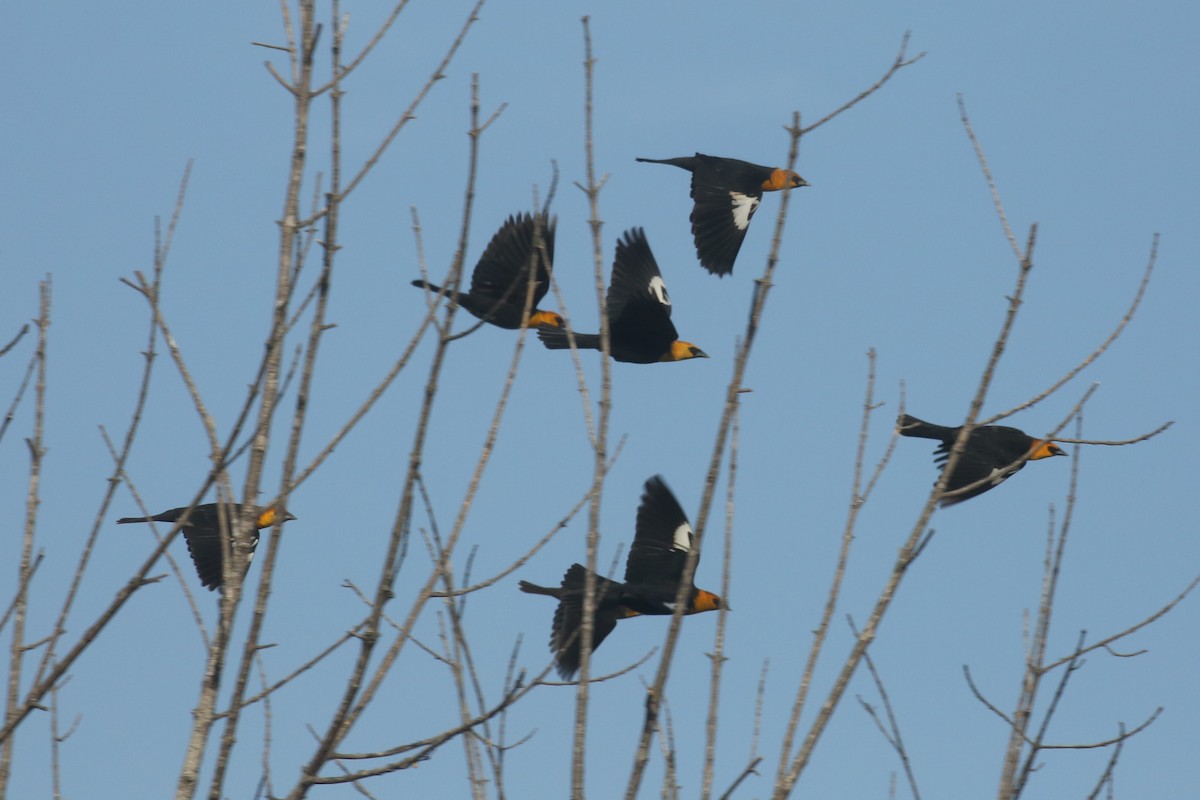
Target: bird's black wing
(720,218)
(503,270)
(568,618)
(207,548)
(639,307)
(207,551)
(662,540)
(988,453)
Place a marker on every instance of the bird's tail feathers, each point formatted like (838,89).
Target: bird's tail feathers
(533,588)
(683,162)
(557,339)
(909,425)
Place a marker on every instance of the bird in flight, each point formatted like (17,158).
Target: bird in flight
(500,279)
(640,330)
(991,453)
(202,531)
(653,573)
(726,193)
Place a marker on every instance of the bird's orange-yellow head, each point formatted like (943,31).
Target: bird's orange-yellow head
(269,515)
(705,601)
(782,179)
(681,351)
(550,318)
(1044,448)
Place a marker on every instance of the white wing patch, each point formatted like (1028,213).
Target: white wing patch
(658,288)
(998,475)
(743,209)
(683,538)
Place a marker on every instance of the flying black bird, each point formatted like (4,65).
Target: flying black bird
(726,192)
(640,330)
(990,453)
(653,572)
(499,282)
(202,531)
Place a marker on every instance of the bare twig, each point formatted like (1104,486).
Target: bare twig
(858,497)
(13,342)
(891,732)
(600,440)
(37,451)
(717,657)
(900,62)
(1100,349)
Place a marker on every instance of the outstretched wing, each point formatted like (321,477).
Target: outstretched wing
(663,538)
(503,270)
(639,307)
(720,218)
(568,619)
(207,549)
(989,452)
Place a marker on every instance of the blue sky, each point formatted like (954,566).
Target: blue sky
(1088,117)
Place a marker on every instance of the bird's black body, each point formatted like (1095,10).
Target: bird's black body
(990,452)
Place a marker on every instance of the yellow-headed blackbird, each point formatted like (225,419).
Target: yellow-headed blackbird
(640,330)
(203,534)
(652,574)
(726,192)
(990,452)
(499,281)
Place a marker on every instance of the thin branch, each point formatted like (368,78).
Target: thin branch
(1106,641)
(600,439)
(524,558)
(891,733)
(409,113)
(900,62)
(751,769)
(1100,349)
(717,657)
(13,342)
(1118,442)
(33,494)
(991,181)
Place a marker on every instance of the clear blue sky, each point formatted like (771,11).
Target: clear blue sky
(1088,117)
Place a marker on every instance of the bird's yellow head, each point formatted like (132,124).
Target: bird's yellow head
(1044,448)
(549,318)
(705,601)
(682,351)
(271,514)
(782,179)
